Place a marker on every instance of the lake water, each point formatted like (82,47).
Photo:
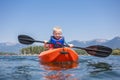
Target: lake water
(88,68)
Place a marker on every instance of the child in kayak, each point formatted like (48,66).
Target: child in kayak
(57,39)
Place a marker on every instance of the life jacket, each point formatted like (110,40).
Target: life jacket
(56,43)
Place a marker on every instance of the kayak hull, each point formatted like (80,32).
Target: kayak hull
(58,55)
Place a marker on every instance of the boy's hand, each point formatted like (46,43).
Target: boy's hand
(71,45)
(45,41)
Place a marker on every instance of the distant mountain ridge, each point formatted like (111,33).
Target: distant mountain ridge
(11,47)
(113,43)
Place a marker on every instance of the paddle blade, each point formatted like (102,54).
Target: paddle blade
(99,51)
(24,39)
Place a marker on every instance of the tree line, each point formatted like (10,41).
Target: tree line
(116,51)
(7,53)
(32,50)
(38,49)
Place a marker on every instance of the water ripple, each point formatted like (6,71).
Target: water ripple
(89,67)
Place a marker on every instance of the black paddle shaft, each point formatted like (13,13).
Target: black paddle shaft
(95,50)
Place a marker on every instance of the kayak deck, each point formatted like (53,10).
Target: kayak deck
(58,55)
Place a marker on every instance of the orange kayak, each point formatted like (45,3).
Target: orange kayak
(58,55)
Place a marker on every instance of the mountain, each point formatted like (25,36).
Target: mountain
(113,43)
(11,47)
(88,43)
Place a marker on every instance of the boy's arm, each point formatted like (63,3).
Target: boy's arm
(69,45)
(45,44)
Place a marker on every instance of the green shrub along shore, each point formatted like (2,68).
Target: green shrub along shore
(7,53)
(35,50)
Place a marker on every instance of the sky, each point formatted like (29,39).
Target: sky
(79,19)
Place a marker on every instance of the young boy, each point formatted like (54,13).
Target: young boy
(57,39)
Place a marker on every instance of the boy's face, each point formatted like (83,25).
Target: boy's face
(57,34)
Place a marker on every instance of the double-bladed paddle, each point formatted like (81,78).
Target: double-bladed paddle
(95,50)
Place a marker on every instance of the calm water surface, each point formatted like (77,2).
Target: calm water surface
(88,68)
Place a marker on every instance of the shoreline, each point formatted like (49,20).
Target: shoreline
(38,55)
(21,55)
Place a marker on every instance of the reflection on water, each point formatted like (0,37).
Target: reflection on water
(100,67)
(59,75)
(55,71)
(59,66)
(22,72)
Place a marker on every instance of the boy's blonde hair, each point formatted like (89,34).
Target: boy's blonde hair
(57,29)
